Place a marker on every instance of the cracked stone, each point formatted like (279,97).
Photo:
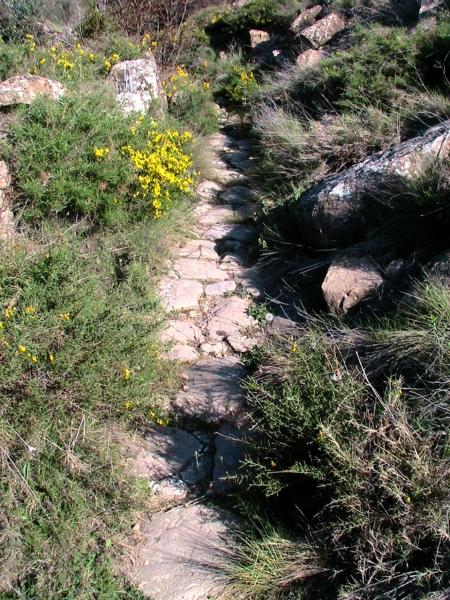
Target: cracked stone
(182,332)
(226,214)
(240,233)
(182,353)
(229,318)
(179,294)
(212,392)
(199,249)
(221,288)
(180,552)
(200,270)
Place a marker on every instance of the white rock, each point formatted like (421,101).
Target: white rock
(199,270)
(221,288)
(178,294)
(136,83)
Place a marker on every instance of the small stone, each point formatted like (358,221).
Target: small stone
(324,30)
(221,288)
(310,58)
(305,18)
(258,37)
(179,294)
(269,317)
(200,270)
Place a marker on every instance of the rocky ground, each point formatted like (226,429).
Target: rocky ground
(208,290)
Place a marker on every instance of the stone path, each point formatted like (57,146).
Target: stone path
(208,290)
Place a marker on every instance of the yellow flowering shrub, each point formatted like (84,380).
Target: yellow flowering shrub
(163,168)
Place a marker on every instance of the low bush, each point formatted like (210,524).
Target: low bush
(191,101)
(78,362)
(351,432)
(18,17)
(77,158)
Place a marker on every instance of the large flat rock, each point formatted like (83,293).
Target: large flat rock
(179,294)
(212,392)
(229,318)
(199,270)
(199,249)
(181,551)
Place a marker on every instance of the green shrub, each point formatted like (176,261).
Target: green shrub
(364,414)
(18,17)
(78,361)
(69,160)
(191,102)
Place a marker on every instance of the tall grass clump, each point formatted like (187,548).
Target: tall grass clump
(350,449)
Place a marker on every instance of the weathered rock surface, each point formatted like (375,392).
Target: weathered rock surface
(324,30)
(258,37)
(429,8)
(200,270)
(181,551)
(310,58)
(332,212)
(179,294)
(23,89)
(7,225)
(221,288)
(349,281)
(199,249)
(306,18)
(183,332)
(136,83)
(208,190)
(212,392)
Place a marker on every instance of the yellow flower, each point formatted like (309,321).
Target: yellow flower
(29,37)
(115,57)
(154,44)
(65,316)
(42,61)
(294,347)
(1,325)
(51,358)
(30,310)
(128,405)
(273,464)
(206,85)
(108,65)
(22,349)
(33,359)
(10,312)
(101,152)
(91,57)
(126,374)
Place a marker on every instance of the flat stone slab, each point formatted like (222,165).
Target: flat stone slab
(199,270)
(221,288)
(179,294)
(237,195)
(208,189)
(240,233)
(212,392)
(229,318)
(182,353)
(168,451)
(181,551)
(182,332)
(199,249)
